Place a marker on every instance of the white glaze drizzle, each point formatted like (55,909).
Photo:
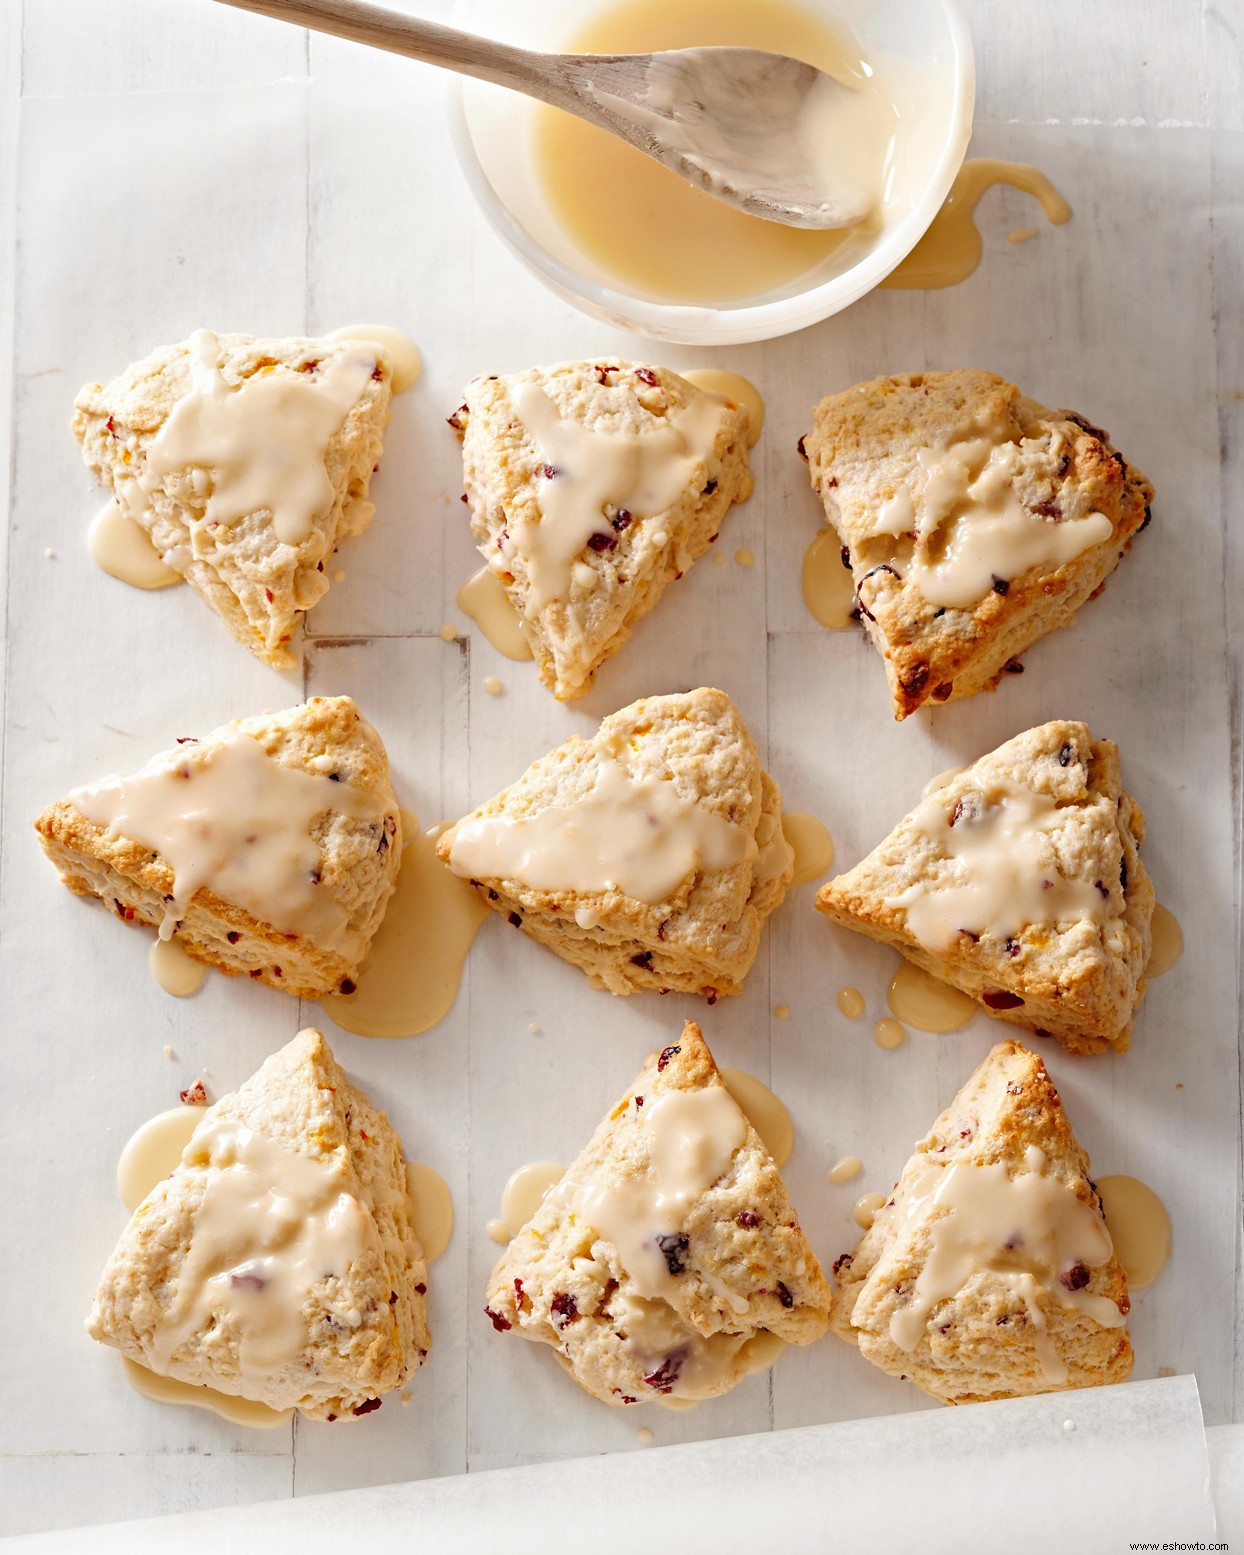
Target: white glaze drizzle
(636,836)
(230,818)
(642,473)
(1003,869)
(970,526)
(1029,1231)
(263,441)
(271,1226)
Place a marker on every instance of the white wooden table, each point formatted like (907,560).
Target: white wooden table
(166,164)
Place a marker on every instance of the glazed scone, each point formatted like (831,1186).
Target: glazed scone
(659,1270)
(1020,883)
(975,521)
(247,462)
(1006,1282)
(324,1309)
(648,856)
(592,486)
(288,881)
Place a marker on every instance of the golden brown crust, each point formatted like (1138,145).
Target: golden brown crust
(862,448)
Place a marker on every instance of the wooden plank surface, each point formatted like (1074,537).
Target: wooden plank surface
(178,164)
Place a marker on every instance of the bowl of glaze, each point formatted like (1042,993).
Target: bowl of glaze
(497,138)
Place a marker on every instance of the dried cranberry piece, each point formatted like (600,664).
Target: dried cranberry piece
(456,420)
(666,1374)
(881,567)
(674,1245)
(1075,1278)
(1087,426)
(564,1306)
(1064,755)
(999,999)
(1012,945)
(661,928)
(801,450)
(712,996)
(783,1295)
(967,809)
(709,489)
(843,1261)
(621,520)
(646,375)
(368,1404)
(516,920)
(602,542)
(665,1057)
(747,1218)
(194,1095)
(1012,667)
(643,959)
(844,556)
(1001,586)
(233,936)
(499,1321)
(549,471)
(348,985)
(421,1289)
(1148,519)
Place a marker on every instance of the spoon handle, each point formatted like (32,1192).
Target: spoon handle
(536,75)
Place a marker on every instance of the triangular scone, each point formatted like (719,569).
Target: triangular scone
(990,1272)
(649,856)
(668,1263)
(1020,883)
(292,873)
(592,486)
(975,521)
(247,462)
(322,1310)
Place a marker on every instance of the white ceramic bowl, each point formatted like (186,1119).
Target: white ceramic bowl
(493,133)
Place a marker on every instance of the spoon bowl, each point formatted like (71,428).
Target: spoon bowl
(738,123)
